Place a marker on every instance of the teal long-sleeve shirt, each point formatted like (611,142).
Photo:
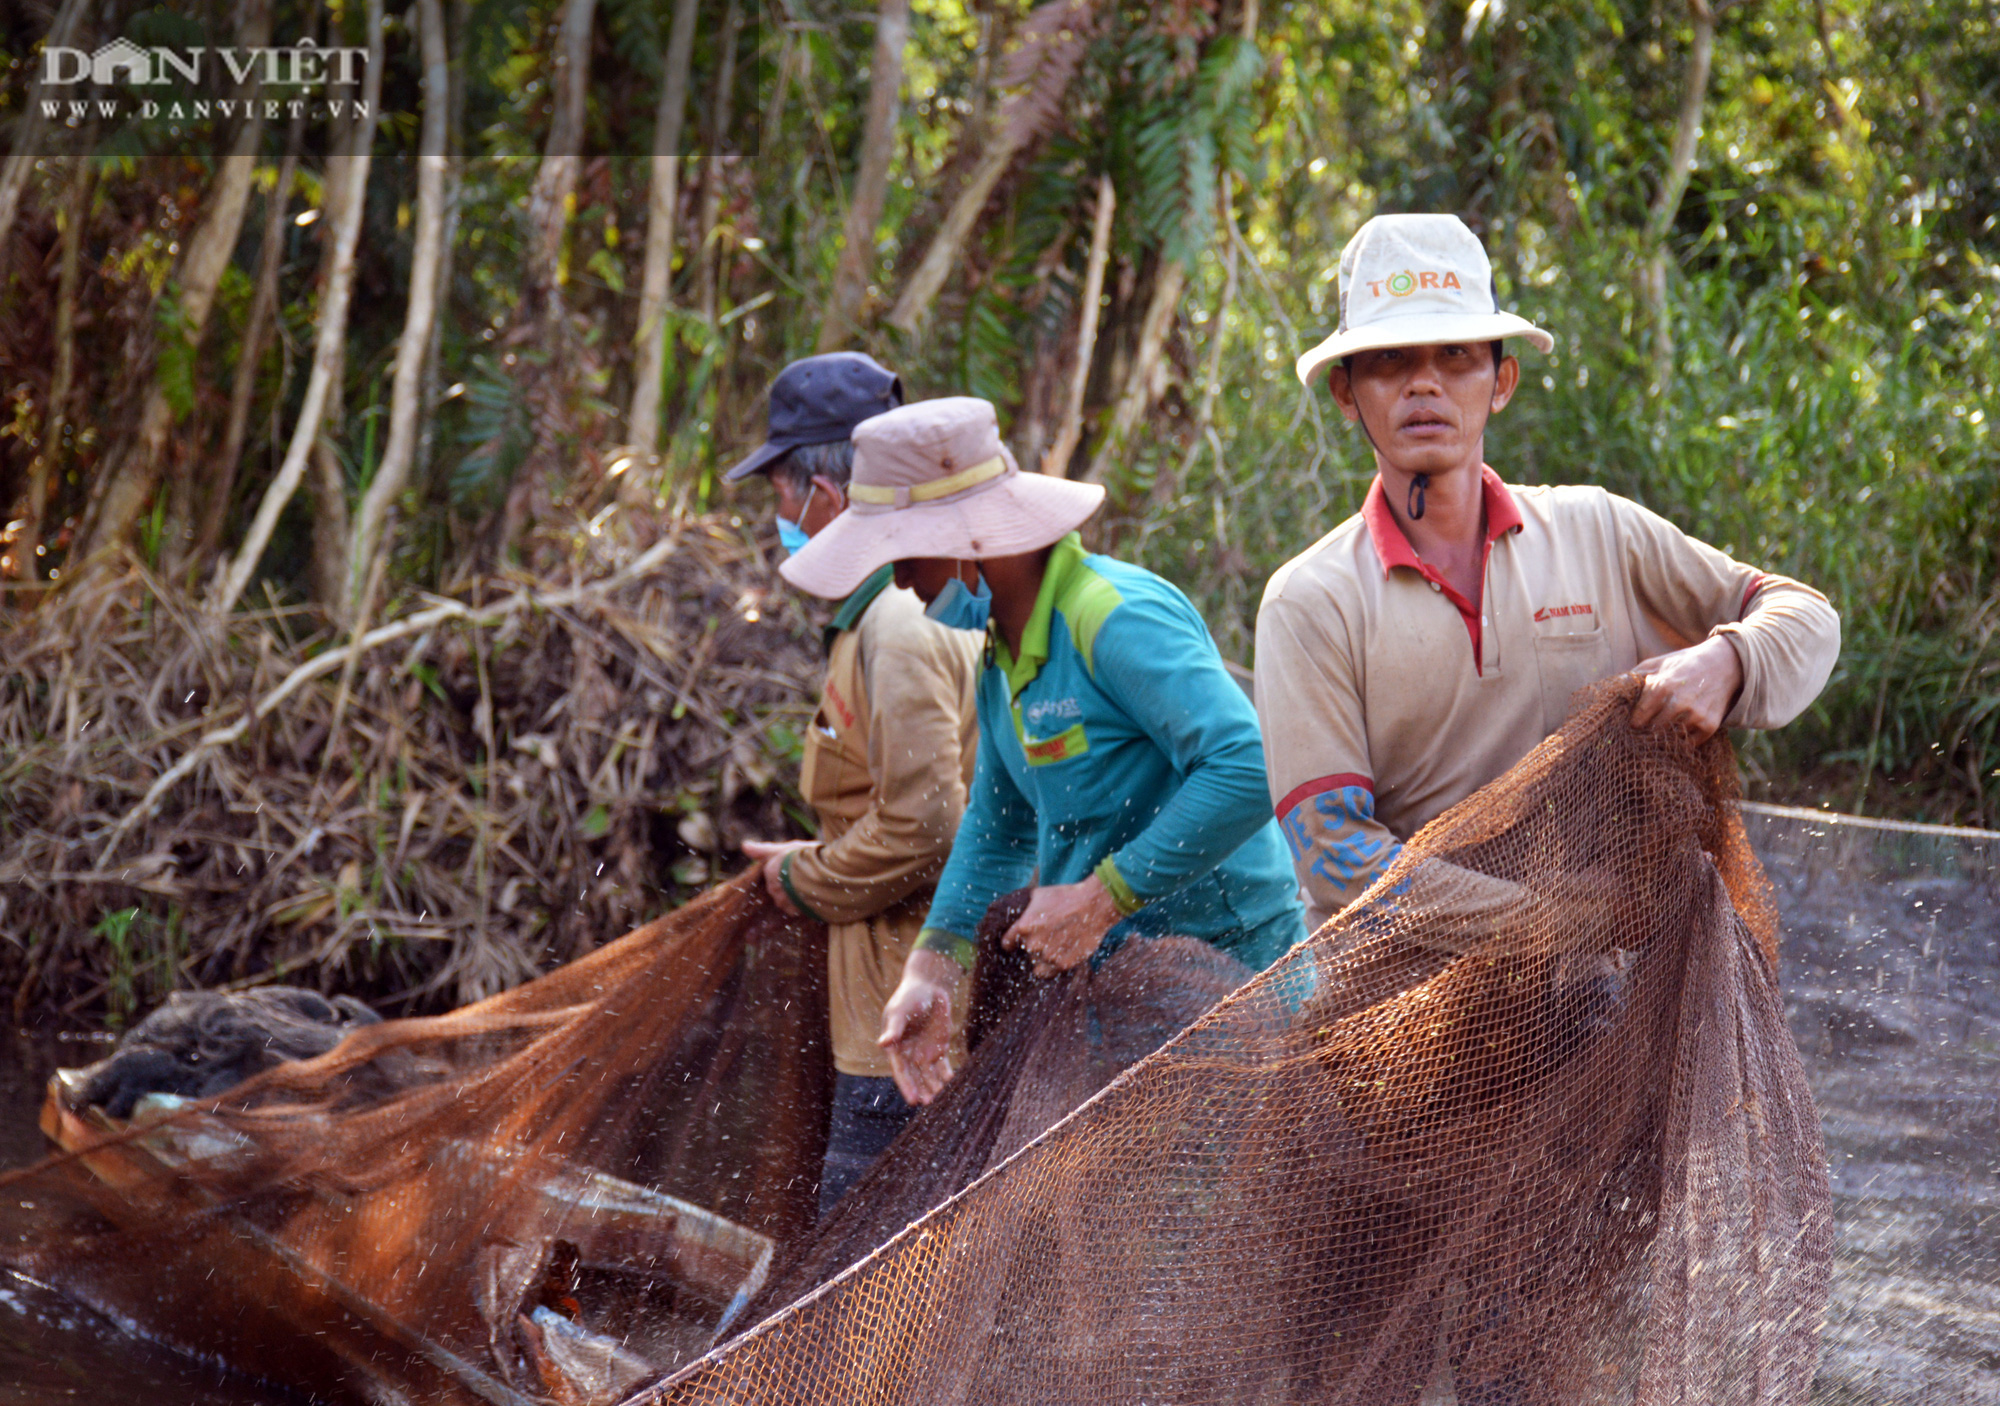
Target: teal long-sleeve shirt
(1118,744)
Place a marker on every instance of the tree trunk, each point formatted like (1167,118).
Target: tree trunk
(721,109)
(1071,433)
(20,163)
(326,481)
(406,393)
(327,568)
(642,429)
(45,472)
(454,187)
(257,328)
(948,243)
(1053,45)
(1137,394)
(562,160)
(1667,202)
(128,493)
(351,174)
(871,180)
(544,383)
(1167,484)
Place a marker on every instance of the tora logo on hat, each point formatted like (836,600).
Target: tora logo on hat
(1405,282)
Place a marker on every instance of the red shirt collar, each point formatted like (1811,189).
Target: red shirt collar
(1502,516)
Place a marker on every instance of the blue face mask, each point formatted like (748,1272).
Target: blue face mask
(791,536)
(962,609)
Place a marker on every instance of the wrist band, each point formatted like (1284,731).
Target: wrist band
(1121,893)
(949,944)
(785,878)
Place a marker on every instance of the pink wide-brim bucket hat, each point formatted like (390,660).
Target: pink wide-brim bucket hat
(934,480)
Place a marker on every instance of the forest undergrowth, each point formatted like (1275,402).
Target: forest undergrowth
(501,778)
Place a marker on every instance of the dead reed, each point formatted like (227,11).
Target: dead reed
(490,782)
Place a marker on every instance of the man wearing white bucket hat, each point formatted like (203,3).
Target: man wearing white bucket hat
(1429,642)
(1119,765)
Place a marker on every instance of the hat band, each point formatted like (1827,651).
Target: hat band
(904,495)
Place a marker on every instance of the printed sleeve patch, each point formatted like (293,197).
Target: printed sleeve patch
(1327,829)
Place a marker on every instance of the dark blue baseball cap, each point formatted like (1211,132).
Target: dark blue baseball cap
(819,400)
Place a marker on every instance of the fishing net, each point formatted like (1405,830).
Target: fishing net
(551,1194)
(1039,1048)
(1525,1125)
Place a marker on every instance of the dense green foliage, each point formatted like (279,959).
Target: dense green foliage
(1826,408)
(1830,406)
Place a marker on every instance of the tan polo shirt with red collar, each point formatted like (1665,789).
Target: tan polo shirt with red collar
(1385,697)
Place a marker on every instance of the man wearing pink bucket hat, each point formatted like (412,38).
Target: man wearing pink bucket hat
(887,763)
(1119,766)
(1429,642)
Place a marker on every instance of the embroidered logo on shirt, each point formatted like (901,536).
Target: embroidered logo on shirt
(1071,742)
(1040,712)
(1556,612)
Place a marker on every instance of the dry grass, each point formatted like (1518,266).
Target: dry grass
(498,780)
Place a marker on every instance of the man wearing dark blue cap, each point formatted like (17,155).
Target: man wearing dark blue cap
(887,760)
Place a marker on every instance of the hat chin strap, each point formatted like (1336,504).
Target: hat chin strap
(1413,502)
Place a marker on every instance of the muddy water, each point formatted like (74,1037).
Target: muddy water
(1892,978)
(52,1351)
(1892,974)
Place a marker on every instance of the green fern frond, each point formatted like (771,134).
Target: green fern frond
(496,425)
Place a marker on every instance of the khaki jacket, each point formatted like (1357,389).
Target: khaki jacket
(1385,698)
(887,763)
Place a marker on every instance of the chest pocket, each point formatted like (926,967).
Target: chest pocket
(1568,662)
(835,767)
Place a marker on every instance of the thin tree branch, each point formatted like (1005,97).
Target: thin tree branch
(1056,461)
(642,429)
(328,344)
(249,356)
(427,259)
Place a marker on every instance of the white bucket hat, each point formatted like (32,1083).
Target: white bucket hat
(1416,281)
(933,480)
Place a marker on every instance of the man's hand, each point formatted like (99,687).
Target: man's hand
(916,1025)
(1691,689)
(1064,924)
(773,856)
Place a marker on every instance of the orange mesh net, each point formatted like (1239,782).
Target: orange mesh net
(1039,1049)
(1525,1125)
(636,1132)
